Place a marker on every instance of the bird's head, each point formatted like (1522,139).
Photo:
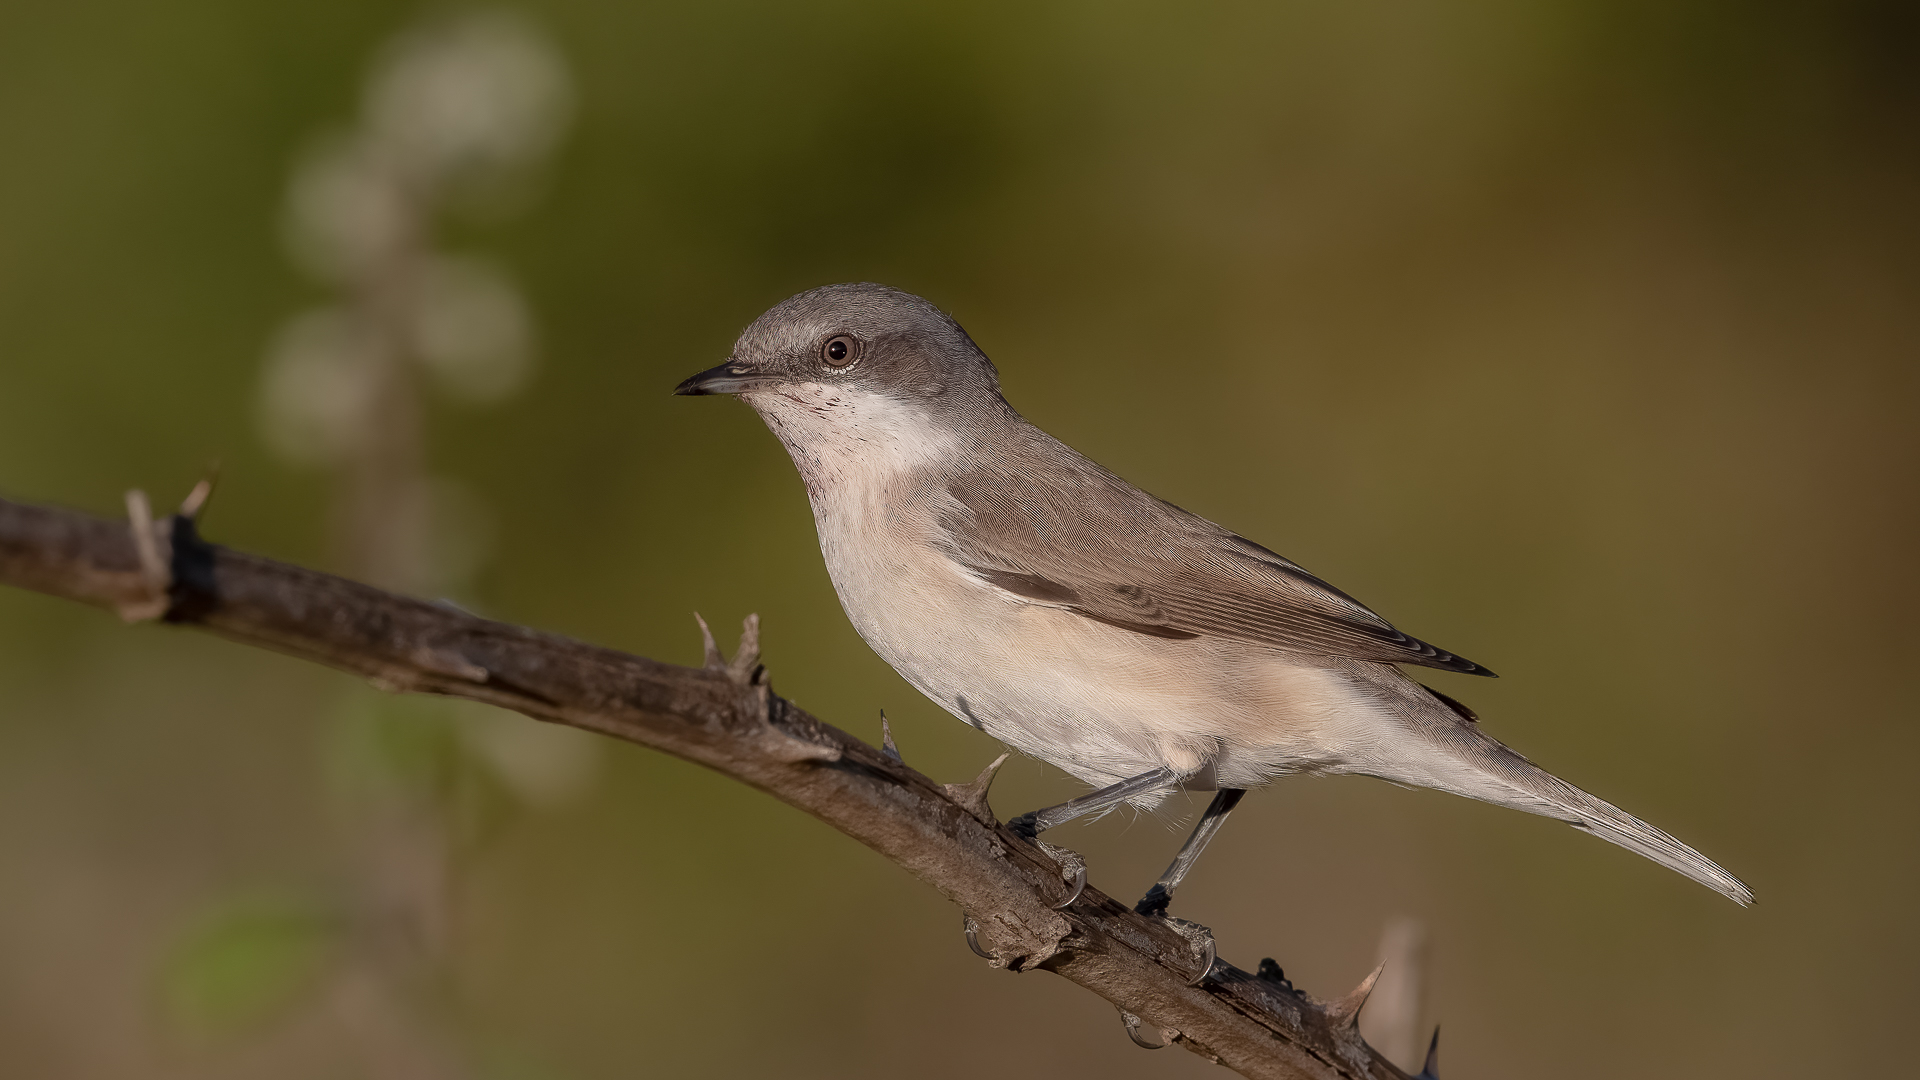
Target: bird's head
(856,362)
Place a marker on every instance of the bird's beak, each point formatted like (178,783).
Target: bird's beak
(728,378)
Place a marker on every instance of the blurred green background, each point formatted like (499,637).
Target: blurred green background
(1578,338)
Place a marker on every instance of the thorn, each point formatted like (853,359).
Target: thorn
(985,779)
(1132,1024)
(713,660)
(1431,1070)
(153,569)
(747,657)
(196,499)
(886,739)
(140,518)
(974,796)
(1346,1011)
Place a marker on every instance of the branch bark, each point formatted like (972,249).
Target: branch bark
(726,717)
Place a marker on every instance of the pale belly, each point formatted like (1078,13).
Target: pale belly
(1100,702)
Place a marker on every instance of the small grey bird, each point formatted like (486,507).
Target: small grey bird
(1065,612)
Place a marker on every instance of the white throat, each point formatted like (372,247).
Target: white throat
(849,439)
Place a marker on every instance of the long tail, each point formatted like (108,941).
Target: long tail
(1509,779)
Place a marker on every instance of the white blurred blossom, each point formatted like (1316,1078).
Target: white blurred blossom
(471,328)
(454,105)
(466,96)
(348,214)
(457,104)
(317,391)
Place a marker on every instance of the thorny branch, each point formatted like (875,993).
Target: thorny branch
(726,717)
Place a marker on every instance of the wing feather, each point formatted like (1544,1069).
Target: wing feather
(1086,541)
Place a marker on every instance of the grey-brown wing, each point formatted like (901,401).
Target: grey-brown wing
(1086,541)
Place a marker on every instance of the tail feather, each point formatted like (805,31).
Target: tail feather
(1531,788)
(1616,826)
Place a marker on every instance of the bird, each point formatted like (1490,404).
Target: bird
(1044,600)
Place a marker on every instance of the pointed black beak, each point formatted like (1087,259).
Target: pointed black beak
(728,378)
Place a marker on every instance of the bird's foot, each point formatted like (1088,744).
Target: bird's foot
(1154,906)
(1026,826)
(1155,903)
(1270,971)
(1073,870)
(1203,947)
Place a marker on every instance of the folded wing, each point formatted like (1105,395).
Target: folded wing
(1084,540)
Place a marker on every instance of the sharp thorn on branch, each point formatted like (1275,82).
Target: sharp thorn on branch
(711,658)
(196,500)
(1132,1024)
(1431,1070)
(973,796)
(887,746)
(140,520)
(1346,1011)
(153,568)
(746,659)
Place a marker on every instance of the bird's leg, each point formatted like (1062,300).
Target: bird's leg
(1035,822)
(1155,903)
(1030,825)
(1158,897)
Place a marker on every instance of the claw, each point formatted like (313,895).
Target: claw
(973,942)
(1206,965)
(1202,939)
(1074,870)
(1132,1024)
(1079,886)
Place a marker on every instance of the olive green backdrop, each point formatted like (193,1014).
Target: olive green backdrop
(1578,338)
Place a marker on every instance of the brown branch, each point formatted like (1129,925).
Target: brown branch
(726,717)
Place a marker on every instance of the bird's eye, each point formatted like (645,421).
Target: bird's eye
(840,350)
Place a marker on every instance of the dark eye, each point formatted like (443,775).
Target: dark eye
(840,350)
